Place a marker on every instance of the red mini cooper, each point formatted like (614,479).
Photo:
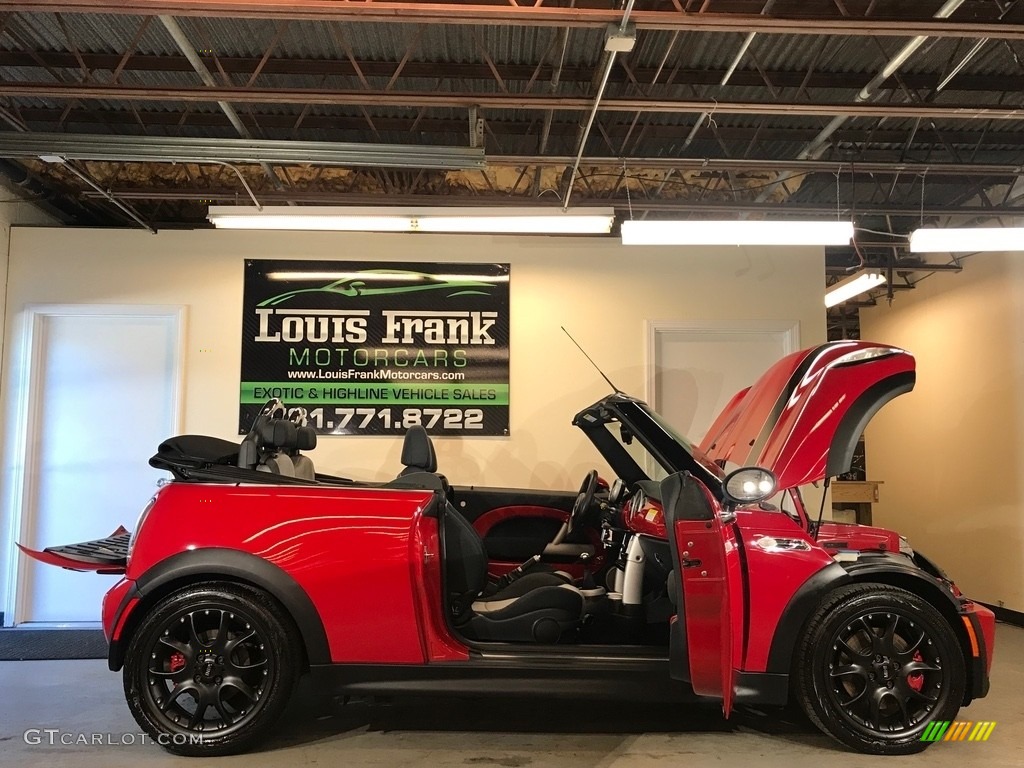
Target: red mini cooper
(695,571)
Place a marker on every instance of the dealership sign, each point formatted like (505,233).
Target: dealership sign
(375,348)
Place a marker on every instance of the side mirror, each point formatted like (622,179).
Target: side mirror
(748,485)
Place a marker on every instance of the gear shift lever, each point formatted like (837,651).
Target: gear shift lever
(587,582)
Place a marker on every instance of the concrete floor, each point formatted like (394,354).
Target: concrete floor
(83,697)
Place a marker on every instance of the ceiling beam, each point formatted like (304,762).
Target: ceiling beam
(773,164)
(45,118)
(507,12)
(430,70)
(304,96)
(142,149)
(160,149)
(900,266)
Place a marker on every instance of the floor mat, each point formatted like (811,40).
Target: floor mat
(22,644)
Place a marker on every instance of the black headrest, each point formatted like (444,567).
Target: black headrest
(418,452)
(278,433)
(306,439)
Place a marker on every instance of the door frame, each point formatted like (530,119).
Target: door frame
(790,330)
(25,382)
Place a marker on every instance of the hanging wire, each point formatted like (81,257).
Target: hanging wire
(711,115)
(838,213)
(853,191)
(923,174)
(629,199)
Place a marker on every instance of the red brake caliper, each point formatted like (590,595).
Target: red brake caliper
(916,681)
(177,661)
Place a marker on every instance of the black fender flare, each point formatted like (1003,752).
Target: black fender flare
(235,565)
(899,571)
(883,567)
(798,611)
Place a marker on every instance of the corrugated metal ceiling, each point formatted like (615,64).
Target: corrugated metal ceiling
(518,51)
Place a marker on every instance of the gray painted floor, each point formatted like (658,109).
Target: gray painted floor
(83,697)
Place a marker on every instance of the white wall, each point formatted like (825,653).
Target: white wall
(13,212)
(602,292)
(951,452)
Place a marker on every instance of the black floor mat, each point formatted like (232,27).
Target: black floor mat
(24,644)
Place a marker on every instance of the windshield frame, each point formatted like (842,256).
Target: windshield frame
(673,452)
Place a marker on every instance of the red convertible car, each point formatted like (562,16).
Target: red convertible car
(697,570)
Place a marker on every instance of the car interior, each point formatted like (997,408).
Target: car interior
(536,603)
(592,581)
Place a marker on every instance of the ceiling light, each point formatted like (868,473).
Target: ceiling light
(737,232)
(967,240)
(240,217)
(519,221)
(846,289)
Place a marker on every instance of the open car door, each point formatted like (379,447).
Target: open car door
(707,632)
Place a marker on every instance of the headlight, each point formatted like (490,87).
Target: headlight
(749,485)
(779,544)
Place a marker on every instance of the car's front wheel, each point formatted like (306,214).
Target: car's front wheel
(211,667)
(875,665)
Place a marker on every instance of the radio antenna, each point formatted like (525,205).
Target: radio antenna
(615,389)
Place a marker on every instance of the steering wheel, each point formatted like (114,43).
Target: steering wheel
(583,501)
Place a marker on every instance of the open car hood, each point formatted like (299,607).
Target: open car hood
(802,419)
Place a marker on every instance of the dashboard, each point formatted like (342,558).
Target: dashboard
(642,513)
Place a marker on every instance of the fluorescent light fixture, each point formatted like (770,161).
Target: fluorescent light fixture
(563,223)
(517,221)
(967,240)
(846,289)
(257,220)
(737,232)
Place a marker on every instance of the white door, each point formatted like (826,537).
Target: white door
(695,369)
(103,392)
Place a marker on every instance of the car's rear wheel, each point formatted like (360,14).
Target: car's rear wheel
(875,665)
(211,668)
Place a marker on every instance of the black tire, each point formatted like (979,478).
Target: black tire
(879,702)
(211,668)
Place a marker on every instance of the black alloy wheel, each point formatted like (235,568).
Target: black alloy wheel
(211,668)
(876,665)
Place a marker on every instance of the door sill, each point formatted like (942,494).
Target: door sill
(638,654)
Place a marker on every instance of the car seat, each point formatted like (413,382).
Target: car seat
(266,447)
(305,441)
(536,607)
